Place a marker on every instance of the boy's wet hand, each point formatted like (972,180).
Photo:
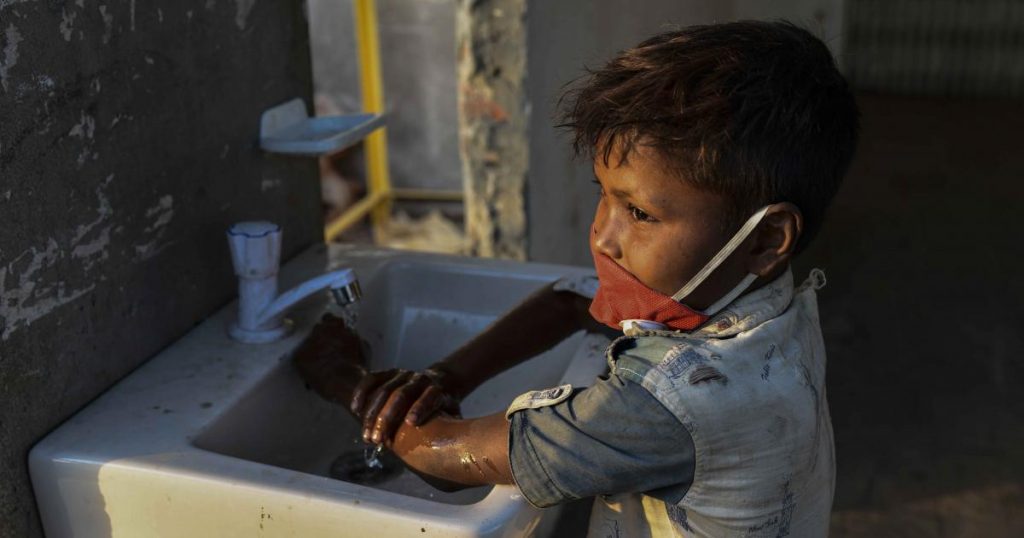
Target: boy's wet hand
(384,399)
(330,360)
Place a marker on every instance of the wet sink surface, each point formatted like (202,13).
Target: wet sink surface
(211,432)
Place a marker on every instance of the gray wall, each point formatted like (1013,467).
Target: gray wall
(417,39)
(128,139)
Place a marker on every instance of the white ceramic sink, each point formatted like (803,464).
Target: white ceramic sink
(217,438)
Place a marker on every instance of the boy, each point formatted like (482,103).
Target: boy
(716,150)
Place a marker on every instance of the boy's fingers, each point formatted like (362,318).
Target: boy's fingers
(379,398)
(428,403)
(365,387)
(395,408)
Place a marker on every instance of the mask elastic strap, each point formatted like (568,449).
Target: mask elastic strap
(724,253)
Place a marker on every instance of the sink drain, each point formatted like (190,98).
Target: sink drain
(353,467)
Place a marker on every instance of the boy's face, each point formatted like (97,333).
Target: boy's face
(660,228)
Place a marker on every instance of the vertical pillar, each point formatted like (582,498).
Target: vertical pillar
(493,122)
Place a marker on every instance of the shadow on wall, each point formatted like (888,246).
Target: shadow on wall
(922,321)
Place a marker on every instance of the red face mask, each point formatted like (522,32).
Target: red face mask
(622,298)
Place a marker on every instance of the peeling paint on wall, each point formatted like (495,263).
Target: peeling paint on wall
(24,294)
(7,3)
(119,118)
(10,53)
(108,24)
(161,214)
(85,127)
(30,299)
(95,250)
(67,21)
(242,9)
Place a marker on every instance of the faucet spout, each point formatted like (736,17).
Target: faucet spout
(256,255)
(342,281)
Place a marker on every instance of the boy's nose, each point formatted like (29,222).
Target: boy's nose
(603,238)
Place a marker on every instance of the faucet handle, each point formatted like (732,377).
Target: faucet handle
(255,248)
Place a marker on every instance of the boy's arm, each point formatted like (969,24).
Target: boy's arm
(451,453)
(589,443)
(540,322)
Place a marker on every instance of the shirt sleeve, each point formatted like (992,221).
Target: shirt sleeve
(612,437)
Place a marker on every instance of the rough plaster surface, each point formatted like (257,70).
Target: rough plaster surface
(128,136)
(493,122)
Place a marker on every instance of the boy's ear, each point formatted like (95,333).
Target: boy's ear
(775,239)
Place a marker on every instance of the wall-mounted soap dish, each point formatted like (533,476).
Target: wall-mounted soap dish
(287,128)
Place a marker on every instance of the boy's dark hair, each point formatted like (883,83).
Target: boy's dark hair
(752,110)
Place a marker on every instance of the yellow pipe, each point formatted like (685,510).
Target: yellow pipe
(427,195)
(353,215)
(377,175)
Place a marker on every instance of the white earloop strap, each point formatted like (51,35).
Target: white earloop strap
(728,249)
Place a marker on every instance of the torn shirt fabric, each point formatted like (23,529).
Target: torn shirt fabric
(610,437)
(747,388)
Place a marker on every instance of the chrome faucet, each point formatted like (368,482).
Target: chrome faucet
(256,255)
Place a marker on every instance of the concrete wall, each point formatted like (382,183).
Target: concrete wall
(128,135)
(417,40)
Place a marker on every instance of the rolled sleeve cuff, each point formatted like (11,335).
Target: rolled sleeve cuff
(528,471)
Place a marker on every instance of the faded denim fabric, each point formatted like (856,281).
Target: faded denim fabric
(611,437)
(749,386)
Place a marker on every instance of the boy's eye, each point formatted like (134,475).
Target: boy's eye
(600,189)
(639,214)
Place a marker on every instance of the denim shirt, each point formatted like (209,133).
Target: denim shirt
(747,388)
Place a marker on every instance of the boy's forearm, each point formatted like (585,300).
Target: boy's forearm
(471,452)
(539,323)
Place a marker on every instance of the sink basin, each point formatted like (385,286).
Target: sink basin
(218,438)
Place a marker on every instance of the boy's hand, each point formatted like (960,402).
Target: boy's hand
(385,398)
(330,360)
